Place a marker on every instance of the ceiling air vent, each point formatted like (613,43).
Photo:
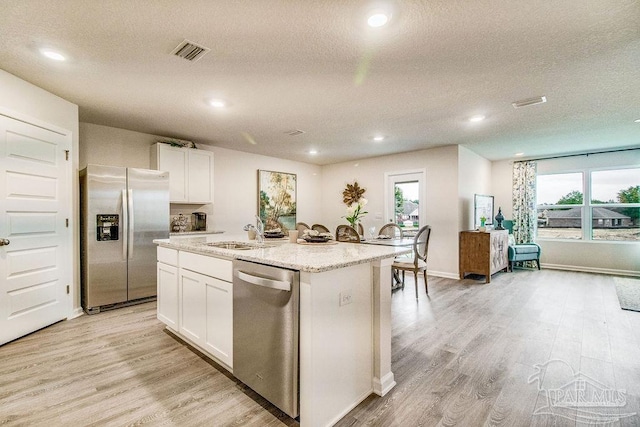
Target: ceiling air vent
(294,132)
(529,101)
(190,51)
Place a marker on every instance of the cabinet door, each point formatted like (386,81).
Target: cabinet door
(200,176)
(174,160)
(168,295)
(219,339)
(193,306)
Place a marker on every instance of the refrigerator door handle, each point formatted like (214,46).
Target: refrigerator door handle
(125,225)
(131,224)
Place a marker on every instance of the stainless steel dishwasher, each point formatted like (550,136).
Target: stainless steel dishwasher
(265,332)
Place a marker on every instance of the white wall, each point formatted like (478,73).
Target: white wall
(441,165)
(235,175)
(27,102)
(474,175)
(594,256)
(105,145)
(501,178)
(236,187)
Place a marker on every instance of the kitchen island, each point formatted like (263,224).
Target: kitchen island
(345,312)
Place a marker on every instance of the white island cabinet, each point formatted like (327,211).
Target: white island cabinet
(206,304)
(345,315)
(167,277)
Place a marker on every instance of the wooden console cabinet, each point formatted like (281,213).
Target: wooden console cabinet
(483,252)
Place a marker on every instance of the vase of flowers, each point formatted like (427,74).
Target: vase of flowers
(355,212)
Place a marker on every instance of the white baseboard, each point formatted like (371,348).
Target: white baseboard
(382,386)
(77,312)
(443,274)
(583,269)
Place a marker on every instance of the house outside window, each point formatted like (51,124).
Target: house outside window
(560,205)
(615,204)
(590,205)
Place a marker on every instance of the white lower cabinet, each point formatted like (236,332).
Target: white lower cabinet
(193,307)
(219,320)
(203,308)
(168,295)
(167,277)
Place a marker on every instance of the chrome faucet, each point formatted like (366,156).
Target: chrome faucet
(259,230)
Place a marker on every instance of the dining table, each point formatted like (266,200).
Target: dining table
(404,241)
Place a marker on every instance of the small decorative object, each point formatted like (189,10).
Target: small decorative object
(499,219)
(483,219)
(179,143)
(179,223)
(352,193)
(352,197)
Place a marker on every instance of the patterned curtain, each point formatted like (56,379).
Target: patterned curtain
(525,218)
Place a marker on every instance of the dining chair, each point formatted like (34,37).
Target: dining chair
(392,230)
(301,226)
(419,261)
(321,228)
(346,233)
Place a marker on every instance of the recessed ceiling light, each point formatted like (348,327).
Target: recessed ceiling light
(217,103)
(313,152)
(637,121)
(378,138)
(51,54)
(377,19)
(477,118)
(519,154)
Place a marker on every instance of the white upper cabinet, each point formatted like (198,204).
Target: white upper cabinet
(190,172)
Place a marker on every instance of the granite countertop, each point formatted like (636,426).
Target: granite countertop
(191,233)
(281,253)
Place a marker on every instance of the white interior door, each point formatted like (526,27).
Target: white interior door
(36,251)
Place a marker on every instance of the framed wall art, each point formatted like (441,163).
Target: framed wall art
(483,207)
(277,200)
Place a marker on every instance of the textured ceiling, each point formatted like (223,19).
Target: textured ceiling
(315,66)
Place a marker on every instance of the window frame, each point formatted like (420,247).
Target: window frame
(587,205)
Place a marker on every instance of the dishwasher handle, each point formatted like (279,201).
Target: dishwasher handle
(263,281)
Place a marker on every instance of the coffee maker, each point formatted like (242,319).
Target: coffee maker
(199,221)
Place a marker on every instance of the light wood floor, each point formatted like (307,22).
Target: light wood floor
(460,357)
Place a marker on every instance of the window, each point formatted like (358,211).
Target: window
(560,206)
(610,211)
(404,199)
(615,204)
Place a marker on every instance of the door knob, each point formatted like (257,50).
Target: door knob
(4,242)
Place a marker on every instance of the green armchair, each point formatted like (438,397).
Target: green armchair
(522,251)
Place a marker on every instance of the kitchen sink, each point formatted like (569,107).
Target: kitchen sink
(240,246)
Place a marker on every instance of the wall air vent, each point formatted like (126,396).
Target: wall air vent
(294,132)
(190,51)
(529,101)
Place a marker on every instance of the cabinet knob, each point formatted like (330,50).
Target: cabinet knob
(4,242)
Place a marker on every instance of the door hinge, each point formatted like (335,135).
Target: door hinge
(67,289)
(67,222)
(66,155)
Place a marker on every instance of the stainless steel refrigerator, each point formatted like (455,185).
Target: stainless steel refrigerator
(122,210)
